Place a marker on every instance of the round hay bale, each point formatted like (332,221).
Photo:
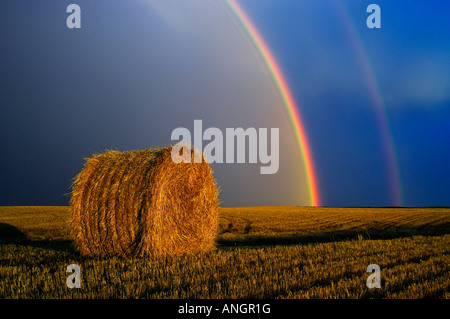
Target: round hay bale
(141,203)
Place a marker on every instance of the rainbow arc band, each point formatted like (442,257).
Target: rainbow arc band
(376,97)
(286,96)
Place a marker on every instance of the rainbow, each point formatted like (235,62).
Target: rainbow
(286,97)
(377,101)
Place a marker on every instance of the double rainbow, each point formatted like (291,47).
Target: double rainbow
(286,96)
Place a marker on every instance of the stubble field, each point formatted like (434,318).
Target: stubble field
(262,252)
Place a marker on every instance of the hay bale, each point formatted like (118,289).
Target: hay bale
(141,203)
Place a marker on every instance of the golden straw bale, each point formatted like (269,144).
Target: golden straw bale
(141,203)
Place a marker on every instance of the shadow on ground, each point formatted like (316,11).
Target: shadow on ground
(332,236)
(11,235)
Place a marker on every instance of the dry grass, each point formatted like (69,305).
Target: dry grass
(141,203)
(267,252)
(243,224)
(19,223)
(306,224)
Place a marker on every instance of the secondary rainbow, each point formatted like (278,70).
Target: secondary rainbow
(286,96)
(377,101)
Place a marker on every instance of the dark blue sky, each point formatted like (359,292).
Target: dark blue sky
(136,70)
